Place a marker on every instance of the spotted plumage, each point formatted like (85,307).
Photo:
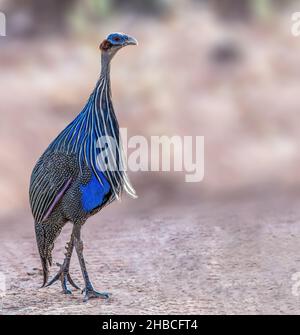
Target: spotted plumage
(80,172)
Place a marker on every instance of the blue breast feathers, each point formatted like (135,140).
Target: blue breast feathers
(94,194)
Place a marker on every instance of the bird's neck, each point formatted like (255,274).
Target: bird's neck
(105,66)
(101,97)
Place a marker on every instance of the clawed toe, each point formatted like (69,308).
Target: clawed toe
(66,291)
(92,294)
(65,278)
(70,280)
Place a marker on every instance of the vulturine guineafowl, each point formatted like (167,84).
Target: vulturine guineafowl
(81,171)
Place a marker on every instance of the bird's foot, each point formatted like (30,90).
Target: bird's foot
(90,293)
(64,276)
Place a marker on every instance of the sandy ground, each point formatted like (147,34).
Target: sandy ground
(233,256)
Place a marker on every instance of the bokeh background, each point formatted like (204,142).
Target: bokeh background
(227,70)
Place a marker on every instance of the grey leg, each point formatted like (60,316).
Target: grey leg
(88,291)
(63,274)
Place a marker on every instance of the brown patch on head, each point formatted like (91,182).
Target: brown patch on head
(105,45)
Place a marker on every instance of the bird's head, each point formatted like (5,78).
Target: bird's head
(116,41)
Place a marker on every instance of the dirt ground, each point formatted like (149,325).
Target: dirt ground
(234,256)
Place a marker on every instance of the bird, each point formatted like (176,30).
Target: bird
(82,171)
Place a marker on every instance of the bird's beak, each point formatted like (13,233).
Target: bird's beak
(131,41)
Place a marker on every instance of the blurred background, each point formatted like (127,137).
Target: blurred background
(227,70)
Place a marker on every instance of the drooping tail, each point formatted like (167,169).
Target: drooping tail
(45,237)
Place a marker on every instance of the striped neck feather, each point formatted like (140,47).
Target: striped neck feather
(81,137)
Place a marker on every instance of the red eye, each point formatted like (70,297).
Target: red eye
(116,39)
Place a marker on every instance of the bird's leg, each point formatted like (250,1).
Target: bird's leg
(63,273)
(88,291)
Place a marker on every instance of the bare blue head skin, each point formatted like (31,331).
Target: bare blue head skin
(113,43)
(120,40)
